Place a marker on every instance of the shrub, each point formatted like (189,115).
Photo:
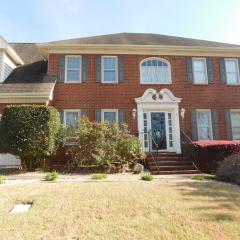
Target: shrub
(147,177)
(229,170)
(99,176)
(51,176)
(209,154)
(2,179)
(31,132)
(104,145)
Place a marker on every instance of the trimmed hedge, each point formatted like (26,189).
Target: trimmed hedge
(209,154)
(31,132)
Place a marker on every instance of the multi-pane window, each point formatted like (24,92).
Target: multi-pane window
(73,69)
(235,122)
(110,115)
(71,117)
(199,71)
(204,125)
(232,71)
(155,71)
(170,130)
(145,130)
(109,69)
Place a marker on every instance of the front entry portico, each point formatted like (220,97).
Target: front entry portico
(158,121)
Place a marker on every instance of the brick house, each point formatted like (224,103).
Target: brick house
(159,85)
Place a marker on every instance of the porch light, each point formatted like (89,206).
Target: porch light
(134,111)
(182,113)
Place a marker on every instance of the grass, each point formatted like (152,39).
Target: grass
(99,176)
(51,176)
(198,177)
(147,177)
(164,209)
(2,179)
(201,177)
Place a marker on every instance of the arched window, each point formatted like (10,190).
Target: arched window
(155,71)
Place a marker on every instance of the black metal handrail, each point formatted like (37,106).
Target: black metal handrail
(189,147)
(188,138)
(151,138)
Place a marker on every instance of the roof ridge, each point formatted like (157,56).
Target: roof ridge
(141,38)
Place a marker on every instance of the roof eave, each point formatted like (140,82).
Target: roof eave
(27,97)
(14,98)
(138,49)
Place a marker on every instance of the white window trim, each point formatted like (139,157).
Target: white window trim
(80,68)
(102,69)
(238,75)
(154,83)
(233,110)
(108,110)
(206,74)
(211,130)
(65,111)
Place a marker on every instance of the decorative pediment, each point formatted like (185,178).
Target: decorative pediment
(153,96)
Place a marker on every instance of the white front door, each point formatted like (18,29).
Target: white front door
(158,131)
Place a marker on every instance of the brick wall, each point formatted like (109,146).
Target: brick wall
(92,95)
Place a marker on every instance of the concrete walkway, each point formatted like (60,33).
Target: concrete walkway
(37,177)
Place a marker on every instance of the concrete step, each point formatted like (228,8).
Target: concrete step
(176,172)
(168,163)
(172,168)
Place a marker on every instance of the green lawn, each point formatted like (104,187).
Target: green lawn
(122,210)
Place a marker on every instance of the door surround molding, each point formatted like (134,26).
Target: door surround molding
(163,100)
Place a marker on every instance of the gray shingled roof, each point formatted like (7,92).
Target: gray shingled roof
(30,73)
(28,52)
(141,39)
(30,78)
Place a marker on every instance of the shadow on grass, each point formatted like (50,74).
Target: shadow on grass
(218,201)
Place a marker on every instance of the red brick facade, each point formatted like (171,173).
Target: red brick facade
(92,95)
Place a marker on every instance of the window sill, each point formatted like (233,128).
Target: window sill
(143,83)
(232,84)
(200,84)
(109,83)
(72,82)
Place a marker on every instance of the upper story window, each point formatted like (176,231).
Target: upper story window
(109,69)
(155,71)
(73,69)
(199,71)
(232,71)
(204,125)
